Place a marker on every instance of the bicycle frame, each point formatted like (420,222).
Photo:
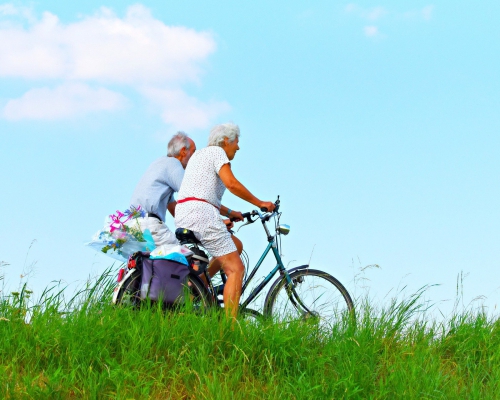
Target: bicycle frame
(272,246)
(283,292)
(279,267)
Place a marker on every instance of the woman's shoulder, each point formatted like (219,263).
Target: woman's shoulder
(210,151)
(214,149)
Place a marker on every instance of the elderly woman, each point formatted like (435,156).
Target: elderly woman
(199,207)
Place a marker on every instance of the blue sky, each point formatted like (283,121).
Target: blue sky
(376,122)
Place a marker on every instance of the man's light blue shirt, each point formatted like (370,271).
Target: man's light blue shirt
(157,186)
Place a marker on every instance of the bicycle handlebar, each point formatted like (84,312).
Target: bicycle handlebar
(244,215)
(267,217)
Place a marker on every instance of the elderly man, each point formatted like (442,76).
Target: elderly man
(207,177)
(154,192)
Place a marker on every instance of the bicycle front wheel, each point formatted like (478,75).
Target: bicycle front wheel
(312,294)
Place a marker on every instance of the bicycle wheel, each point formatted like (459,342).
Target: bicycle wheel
(250,315)
(313,295)
(196,297)
(129,293)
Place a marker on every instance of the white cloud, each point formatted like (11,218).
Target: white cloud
(370,14)
(104,47)
(371,31)
(64,101)
(11,10)
(427,12)
(182,111)
(8,9)
(419,14)
(135,51)
(378,13)
(375,13)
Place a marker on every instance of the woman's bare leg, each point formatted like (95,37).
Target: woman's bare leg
(233,268)
(215,265)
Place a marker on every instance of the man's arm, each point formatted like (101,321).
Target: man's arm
(171,208)
(174,176)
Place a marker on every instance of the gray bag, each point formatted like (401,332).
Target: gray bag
(163,279)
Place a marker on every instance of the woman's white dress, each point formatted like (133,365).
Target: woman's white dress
(201,180)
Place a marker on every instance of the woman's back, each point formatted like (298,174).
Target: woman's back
(201,178)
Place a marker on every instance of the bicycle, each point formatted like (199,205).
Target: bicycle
(300,292)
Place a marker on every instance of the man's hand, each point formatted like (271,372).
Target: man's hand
(267,204)
(229,224)
(236,216)
(171,208)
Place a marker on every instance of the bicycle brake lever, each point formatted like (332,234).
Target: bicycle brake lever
(249,221)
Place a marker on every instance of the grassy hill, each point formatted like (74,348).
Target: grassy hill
(93,350)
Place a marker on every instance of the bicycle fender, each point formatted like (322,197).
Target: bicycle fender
(116,290)
(276,282)
(305,266)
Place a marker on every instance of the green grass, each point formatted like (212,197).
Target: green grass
(93,350)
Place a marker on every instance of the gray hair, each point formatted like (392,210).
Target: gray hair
(178,141)
(221,131)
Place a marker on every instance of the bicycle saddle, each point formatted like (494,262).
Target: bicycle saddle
(185,236)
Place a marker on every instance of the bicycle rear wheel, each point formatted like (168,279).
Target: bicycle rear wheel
(196,295)
(129,293)
(313,295)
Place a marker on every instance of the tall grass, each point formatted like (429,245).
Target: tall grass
(85,348)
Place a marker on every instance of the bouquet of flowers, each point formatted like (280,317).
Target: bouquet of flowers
(122,236)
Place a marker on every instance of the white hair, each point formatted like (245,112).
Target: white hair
(177,143)
(221,131)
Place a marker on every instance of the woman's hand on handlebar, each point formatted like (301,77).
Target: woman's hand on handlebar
(235,216)
(267,206)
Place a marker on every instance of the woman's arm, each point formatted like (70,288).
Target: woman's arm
(235,187)
(233,215)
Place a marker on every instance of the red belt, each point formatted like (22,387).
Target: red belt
(195,199)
